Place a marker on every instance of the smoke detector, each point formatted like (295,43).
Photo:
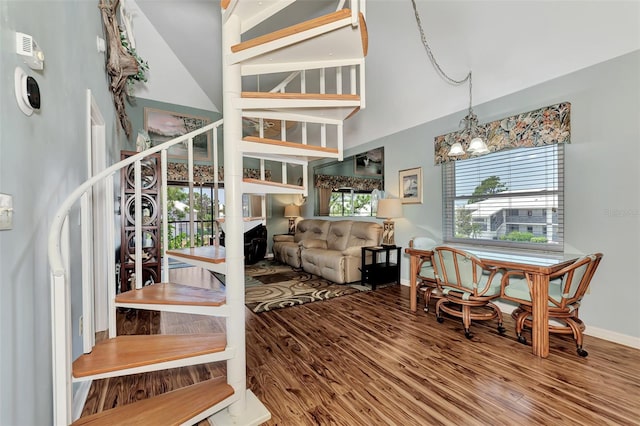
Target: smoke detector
(32,54)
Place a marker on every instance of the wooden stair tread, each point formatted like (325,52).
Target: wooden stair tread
(347,45)
(132,351)
(173,294)
(301,96)
(294,29)
(170,408)
(270,183)
(294,145)
(210,254)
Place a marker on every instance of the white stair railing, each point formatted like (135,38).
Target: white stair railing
(59,243)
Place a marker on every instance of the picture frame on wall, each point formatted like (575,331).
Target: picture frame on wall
(370,163)
(164,125)
(410,185)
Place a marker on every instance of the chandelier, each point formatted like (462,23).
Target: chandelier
(475,143)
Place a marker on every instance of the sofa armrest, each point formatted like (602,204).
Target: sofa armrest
(355,251)
(283,237)
(314,243)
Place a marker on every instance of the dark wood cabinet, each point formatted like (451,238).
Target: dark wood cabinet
(151,214)
(380,265)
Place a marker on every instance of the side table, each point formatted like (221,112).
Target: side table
(380,269)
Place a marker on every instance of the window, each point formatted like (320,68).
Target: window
(510,198)
(204,213)
(348,202)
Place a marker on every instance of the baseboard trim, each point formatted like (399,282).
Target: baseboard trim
(255,414)
(613,336)
(600,333)
(80,398)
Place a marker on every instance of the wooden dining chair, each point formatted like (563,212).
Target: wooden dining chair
(426,283)
(468,287)
(567,287)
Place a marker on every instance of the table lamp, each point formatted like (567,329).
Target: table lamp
(292,212)
(389,208)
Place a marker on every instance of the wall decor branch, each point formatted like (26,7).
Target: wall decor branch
(121,64)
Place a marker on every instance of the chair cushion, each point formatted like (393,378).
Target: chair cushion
(423,243)
(494,288)
(519,289)
(427,271)
(496,283)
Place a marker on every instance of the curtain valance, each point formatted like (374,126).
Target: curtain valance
(179,172)
(544,126)
(358,184)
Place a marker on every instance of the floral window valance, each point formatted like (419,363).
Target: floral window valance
(358,184)
(202,174)
(544,126)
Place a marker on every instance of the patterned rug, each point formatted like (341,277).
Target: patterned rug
(271,285)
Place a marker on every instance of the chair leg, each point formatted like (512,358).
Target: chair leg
(520,316)
(501,328)
(438,316)
(427,299)
(577,335)
(466,321)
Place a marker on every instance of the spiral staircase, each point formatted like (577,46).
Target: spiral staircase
(299,120)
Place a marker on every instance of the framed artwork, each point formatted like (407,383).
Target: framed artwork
(410,185)
(370,163)
(166,125)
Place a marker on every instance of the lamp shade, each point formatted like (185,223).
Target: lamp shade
(389,208)
(456,149)
(477,146)
(292,211)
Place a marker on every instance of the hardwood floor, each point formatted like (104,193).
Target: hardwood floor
(365,359)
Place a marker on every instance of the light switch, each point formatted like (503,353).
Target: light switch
(6,212)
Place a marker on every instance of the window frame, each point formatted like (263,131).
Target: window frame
(351,192)
(449,199)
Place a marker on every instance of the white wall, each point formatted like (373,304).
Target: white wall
(509,45)
(602,173)
(42,158)
(169,81)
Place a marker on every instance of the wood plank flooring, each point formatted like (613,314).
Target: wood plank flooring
(365,359)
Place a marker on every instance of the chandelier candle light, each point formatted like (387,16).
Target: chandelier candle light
(389,208)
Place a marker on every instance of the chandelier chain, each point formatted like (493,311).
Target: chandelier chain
(435,63)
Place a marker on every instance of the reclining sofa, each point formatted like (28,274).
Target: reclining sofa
(330,249)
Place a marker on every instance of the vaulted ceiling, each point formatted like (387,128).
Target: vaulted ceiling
(508,45)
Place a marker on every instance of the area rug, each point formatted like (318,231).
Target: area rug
(271,285)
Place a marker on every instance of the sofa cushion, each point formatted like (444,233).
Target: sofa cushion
(328,264)
(314,243)
(282,238)
(287,252)
(312,229)
(338,236)
(365,234)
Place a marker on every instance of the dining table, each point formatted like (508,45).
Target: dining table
(538,266)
